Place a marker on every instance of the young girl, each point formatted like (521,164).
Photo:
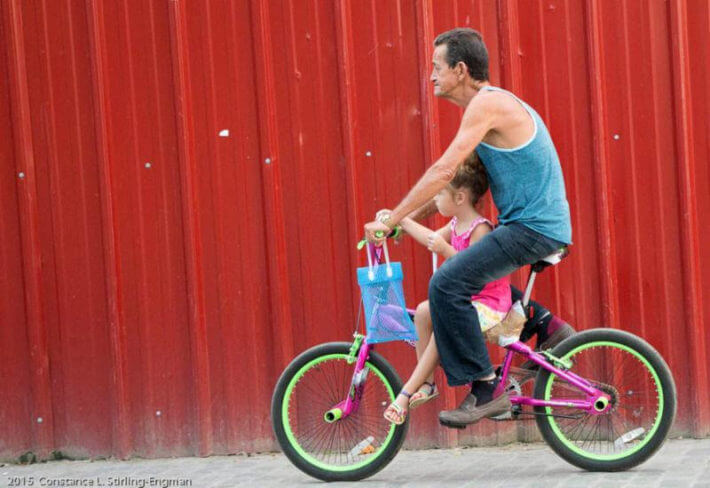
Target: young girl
(458,200)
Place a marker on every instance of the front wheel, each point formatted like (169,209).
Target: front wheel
(351,448)
(643,401)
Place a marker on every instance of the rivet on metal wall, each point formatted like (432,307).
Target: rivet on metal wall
(368,154)
(616,137)
(267,160)
(147,165)
(21,175)
(40,420)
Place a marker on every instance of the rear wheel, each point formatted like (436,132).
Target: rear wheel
(352,448)
(643,401)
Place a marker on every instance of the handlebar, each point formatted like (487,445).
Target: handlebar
(394,234)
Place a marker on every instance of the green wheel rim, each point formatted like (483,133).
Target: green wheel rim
(607,457)
(292,438)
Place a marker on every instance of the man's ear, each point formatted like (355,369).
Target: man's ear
(461,69)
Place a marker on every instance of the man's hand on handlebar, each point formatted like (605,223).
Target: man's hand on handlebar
(376,232)
(383,214)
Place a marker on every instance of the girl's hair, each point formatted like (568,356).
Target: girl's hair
(472,176)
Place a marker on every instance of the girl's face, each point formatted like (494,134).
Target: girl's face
(445,202)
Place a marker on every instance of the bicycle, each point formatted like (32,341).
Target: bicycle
(603,400)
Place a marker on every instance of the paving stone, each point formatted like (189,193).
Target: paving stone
(679,463)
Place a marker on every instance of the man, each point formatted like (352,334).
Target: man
(527,187)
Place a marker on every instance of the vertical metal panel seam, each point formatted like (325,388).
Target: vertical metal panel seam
(665,283)
(320,103)
(56,226)
(215,196)
(633,168)
(117,328)
(192,229)
(546,100)
(432,141)
(544,70)
(348,122)
(392,65)
(432,129)
(509,39)
(164,167)
(271,173)
(374,129)
(689,217)
(579,298)
(606,237)
(79,147)
(144,322)
(255,383)
(42,415)
(296,122)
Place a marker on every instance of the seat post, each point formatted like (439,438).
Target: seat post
(528,288)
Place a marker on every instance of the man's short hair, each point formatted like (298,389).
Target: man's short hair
(464,44)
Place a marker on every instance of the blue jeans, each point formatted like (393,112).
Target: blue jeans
(457,332)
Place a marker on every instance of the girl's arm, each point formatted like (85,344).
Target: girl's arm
(419,232)
(479,232)
(439,244)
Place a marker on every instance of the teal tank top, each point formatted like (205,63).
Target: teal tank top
(526,182)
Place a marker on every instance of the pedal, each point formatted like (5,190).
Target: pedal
(511,414)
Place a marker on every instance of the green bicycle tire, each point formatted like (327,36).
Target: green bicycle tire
(283,394)
(659,377)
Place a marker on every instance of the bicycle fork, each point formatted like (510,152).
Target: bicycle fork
(357,386)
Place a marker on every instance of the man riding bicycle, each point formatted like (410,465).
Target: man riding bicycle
(528,189)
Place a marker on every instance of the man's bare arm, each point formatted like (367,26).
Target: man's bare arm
(475,124)
(426,210)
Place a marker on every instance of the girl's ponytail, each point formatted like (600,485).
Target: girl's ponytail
(471,175)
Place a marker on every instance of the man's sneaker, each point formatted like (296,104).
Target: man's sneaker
(469,413)
(484,401)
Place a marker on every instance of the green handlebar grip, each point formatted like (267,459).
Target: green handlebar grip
(395,233)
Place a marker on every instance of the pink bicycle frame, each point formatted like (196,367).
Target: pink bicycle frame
(597,402)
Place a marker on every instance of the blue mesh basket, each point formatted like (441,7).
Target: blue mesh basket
(386,317)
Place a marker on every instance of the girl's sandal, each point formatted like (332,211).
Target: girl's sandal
(396,414)
(423,395)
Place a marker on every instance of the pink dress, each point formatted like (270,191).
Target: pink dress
(493,301)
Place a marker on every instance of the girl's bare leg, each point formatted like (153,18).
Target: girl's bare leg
(425,368)
(422,321)
(427,354)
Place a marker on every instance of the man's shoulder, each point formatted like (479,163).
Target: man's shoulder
(492,101)
(483,103)
(496,105)
(497,100)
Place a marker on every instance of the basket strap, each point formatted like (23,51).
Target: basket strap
(371,267)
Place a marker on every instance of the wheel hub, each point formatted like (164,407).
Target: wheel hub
(604,404)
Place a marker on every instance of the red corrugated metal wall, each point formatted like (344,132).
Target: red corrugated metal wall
(182,184)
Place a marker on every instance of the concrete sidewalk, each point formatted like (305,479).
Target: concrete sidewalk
(679,463)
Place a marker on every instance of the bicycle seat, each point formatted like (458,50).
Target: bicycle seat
(551,260)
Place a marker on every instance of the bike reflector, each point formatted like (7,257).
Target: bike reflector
(386,317)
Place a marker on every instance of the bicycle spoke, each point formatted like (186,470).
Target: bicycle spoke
(319,389)
(634,400)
